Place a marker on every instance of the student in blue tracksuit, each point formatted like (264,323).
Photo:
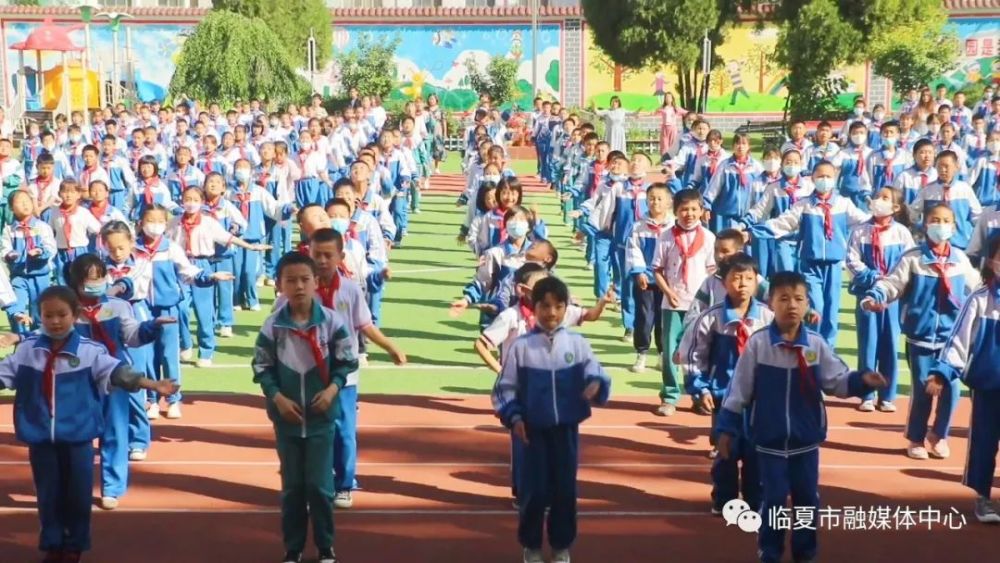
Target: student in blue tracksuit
(184,174)
(709,352)
(400,178)
(149,190)
(599,212)
(109,321)
(889,161)
(780,380)
(777,198)
(729,192)
(595,172)
(917,177)
(972,354)
(119,171)
(59,378)
(872,252)
(954,193)
(638,271)
(825,148)
(931,280)
(546,418)
(823,221)
(27,247)
(707,161)
(985,173)
(855,181)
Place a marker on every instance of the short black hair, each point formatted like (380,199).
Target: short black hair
(45,158)
(60,293)
(739,262)
(552,250)
(992,246)
(526,271)
(327,235)
(786,279)
(294,258)
(302,210)
(80,268)
(550,286)
(730,234)
(921,144)
(685,196)
(946,154)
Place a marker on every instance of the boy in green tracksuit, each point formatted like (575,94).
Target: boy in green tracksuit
(302,359)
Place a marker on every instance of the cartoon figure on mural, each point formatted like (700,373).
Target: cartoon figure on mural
(736,79)
(516,51)
(444,38)
(659,86)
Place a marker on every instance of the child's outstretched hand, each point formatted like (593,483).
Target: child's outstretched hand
(223,276)
(707,401)
(724,445)
(165,387)
(934,386)
(322,401)
(591,391)
(457,308)
(165,321)
(9,339)
(116,290)
(610,296)
(576,213)
(387,273)
(877,381)
(23,318)
(520,431)
(869,304)
(260,247)
(398,356)
(35,252)
(813,317)
(642,282)
(288,409)
(566,197)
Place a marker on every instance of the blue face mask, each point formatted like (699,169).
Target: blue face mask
(340,225)
(824,185)
(95,289)
(940,232)
(242,175)
(791,170)
(517,229)
(889,141)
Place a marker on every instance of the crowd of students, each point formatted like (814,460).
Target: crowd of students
(731,267)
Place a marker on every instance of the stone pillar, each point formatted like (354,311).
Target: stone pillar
(571,67)
(880,92)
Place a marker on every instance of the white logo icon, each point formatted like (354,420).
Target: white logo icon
(737,513)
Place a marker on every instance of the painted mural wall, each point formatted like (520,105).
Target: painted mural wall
(431,59)
(979,44)
(155,46)
(748,81)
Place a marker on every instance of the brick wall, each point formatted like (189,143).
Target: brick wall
(721,121)
(572,64)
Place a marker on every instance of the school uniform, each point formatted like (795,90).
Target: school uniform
(73,230)
(104,215)
(599,213)
(254,204)
(59,389)
(214,162)
(29,275)
(855,178)
(179,181)
(310,188)
(639,255)
(365,232)
(109,322)
(985,180)
(300,362)
(232,221)
(931,290)
(242,151)
(963,157)
(800,146)
(729,193)
(278,180)
(912,181)
(705,167)
(777,198)
(168,268)
(885,166)
(817,153)
(399,176)
(709,352)
(873,251)
(11,179)
(198,236)
(781,384)
(542,383)
(987,226)
(497,263)
(378,207)
(971,355)
(685,259)
(542,134)
(62,167)
(712,292)
(121,179)
(823,226)
(146,193)
(686,160)
(31,148)
(959,196)
(45,193)
(975,146)
(594,176)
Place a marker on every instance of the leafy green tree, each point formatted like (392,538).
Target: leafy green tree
(499,80)
(292,21)
(230,57)
(369,67)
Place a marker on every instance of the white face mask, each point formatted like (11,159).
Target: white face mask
(878,116)
(192,207)
(772,165)
(859,139)
(154,229)
(881,207)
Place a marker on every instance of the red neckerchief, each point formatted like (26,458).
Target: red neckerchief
(941,266)
(97,331)
(49,374)
(244,199)
(741,168)
(328,293)
(524,306)
(136,156)
(598,172)
(799,144)
(654,228)
(879,226)
(742,334)
(312,339)
(303,248)
(634,189)
(25,228)
(150,250)
(181,180)
(189,224)
(213,208)
(806,380)
(147,189)
(98,211)
(946,192)
(43,187)
(861,161)
(119,272)
(265,174)
(687,252)
(823,201)
(208,162)
(87,172)
(713,162)
(888,168)
(923,179)
(352,231)
(67,215)
(498,214)
(303,156)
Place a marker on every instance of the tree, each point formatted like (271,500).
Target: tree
(230,57)
(499,80)
(618,72)
(914,54)
(292,21)
(369,67)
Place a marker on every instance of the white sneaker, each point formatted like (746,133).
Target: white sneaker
(174,411)
(916,451)
(867,406)
(269,282)
(260,282)
(203,363)
(109,503)
(255,308)
(343,500)
(659,362)
(939,449)
(226,332)
(153,411)
(187,355)
(362,360)
(533,556)
(986,511)
(886,406)
(561,556)
(640,364)
(137,455)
